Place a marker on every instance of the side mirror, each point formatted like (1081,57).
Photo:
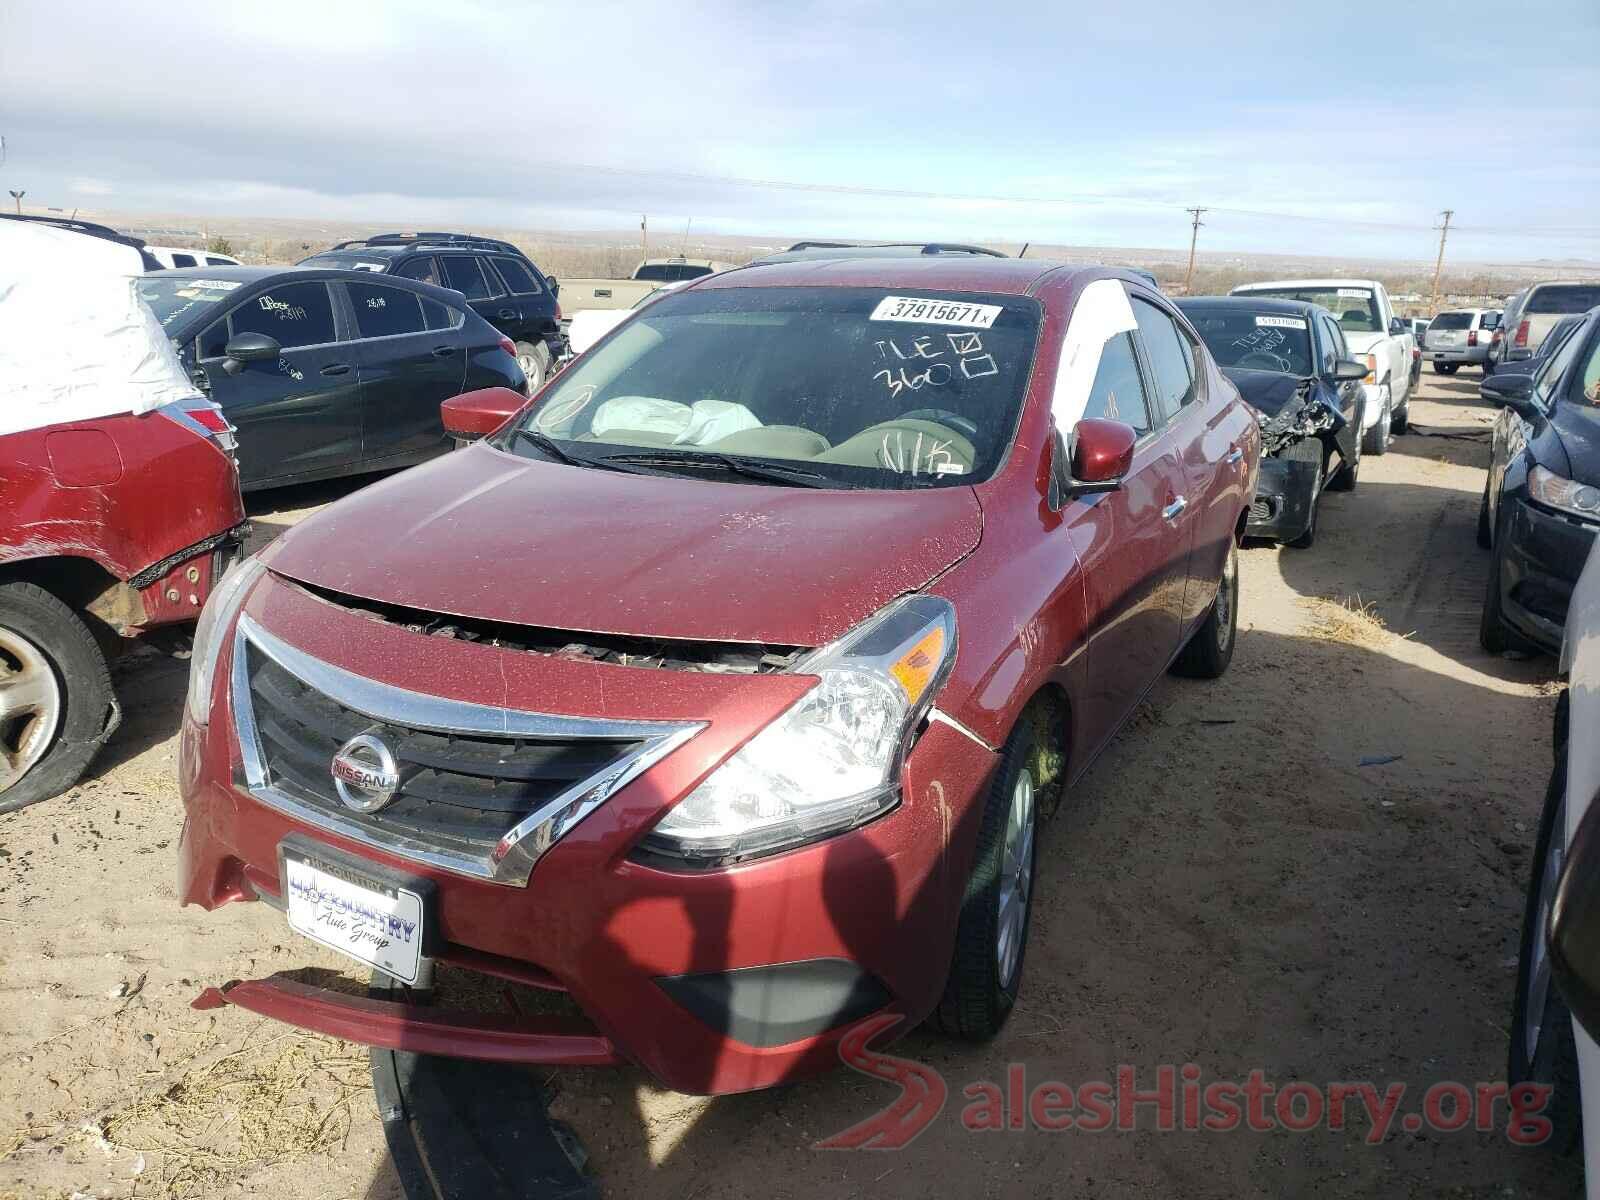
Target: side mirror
(1575,923)
(1512,390)
(469,416)
(1348,370)
(555,285)
(249,347)
(1397,327)
(1100,456)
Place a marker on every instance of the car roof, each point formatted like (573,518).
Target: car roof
(1308,284)
(256,274)
(1260,304)
(950,273)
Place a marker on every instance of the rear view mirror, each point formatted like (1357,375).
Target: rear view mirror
(1575,924)
(471,415)
(1100,456)
(249,347)
(1348,370)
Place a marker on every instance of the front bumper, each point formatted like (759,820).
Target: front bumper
(714,981)
(1540,555)
(1285,493)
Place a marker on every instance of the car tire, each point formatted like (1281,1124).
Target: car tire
(1545,1053)
(1485,531)
(1209,649)
(996,908)
(534,359)
(51,664)
(1446,368)
(1308,537)
(1493,633)
(1376,439)
(1400,421)
(1349,473)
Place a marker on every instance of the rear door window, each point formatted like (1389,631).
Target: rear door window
(213,260)
(517,276)
(1562,298)
(385,311)
(441,316)
(184,260)
(1171,357)
(297,314)
(462,273)
(1118,392)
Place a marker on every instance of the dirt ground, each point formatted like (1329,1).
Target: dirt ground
(1230,886)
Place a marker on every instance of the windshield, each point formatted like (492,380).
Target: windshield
(860,387)
(1255,341)
(1355,308)
(174,298)
(348,260)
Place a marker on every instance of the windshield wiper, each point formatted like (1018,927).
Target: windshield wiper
(766,470)
(553,448)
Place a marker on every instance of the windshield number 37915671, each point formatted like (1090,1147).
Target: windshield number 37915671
(936,312)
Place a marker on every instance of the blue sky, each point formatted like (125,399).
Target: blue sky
(1306,127)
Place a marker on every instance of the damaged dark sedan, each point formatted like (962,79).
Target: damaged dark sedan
(1290,363)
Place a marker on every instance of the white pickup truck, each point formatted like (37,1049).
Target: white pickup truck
(1372,334)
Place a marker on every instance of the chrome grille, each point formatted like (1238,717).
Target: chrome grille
(484,791)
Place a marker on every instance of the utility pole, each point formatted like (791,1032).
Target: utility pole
(644,235)
(1194,238)
(1444,232)
(17,196)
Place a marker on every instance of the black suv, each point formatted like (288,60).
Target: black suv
(327,373)
(499,281)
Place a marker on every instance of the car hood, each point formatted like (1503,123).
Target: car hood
(1264,391)
(1578,428)
(485,534)
(1360,343)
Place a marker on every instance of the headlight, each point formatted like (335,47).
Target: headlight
(215,620)
(832,760)
(1550,489)
(1372,369)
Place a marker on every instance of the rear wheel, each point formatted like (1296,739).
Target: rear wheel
(1445,368)
(1493,633)
(56,704)
(534,359)
(1210,648)
(997,909)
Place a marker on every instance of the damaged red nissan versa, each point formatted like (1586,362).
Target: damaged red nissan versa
(722,688)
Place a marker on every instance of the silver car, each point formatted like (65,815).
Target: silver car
(1459,338)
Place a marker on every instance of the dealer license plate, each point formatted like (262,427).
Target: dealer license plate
(345,910)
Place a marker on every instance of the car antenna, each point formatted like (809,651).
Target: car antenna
(683,249)
(1023,252)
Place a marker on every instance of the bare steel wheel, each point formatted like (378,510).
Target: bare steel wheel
(30,706)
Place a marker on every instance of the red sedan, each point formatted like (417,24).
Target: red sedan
(723,687)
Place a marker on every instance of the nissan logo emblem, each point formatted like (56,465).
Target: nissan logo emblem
(365,773)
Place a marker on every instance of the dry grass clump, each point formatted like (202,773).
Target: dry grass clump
(1352,621)
(245,1110)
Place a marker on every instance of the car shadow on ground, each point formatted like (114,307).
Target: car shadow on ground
(1313,866)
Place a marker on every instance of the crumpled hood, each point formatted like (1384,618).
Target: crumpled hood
(481,533)
(1265,391)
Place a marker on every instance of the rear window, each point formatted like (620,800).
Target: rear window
(517,276)
(864,387)
(1456,320)
(1562,298)
(670,272)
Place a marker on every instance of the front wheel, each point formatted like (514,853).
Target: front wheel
(534,359)
(1376,440)
(1485,530)
(1493,634)
(1210,647)
(56,704)
(997,909)
(1543,1050)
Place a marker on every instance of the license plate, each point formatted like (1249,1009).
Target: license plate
(371,920)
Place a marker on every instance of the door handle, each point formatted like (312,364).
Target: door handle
(1234,456)
(1172,511)
(336,369)
(443,351)
(508,314)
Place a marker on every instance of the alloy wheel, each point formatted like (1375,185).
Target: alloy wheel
(1016,878)
(30,706)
